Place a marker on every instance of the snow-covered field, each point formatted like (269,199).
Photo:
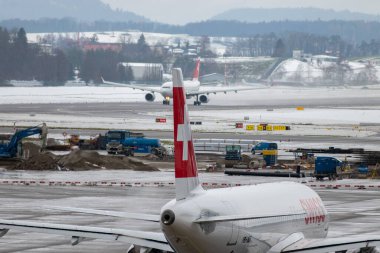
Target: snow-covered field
(314,71)
(101,94)
(116,37)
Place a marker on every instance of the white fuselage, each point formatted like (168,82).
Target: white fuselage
(287,207)
(190,85)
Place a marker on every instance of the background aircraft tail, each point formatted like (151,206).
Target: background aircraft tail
(186,172)
(196,70)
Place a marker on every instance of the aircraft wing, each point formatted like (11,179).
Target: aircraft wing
(135,216)
(78,233)
(331,244)
(210,90)
(135,87)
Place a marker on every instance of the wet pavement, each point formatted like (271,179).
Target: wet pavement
(352,212)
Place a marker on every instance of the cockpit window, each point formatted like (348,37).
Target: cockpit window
(166,85)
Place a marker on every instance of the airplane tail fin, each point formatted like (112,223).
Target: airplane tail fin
(196,70)
(186,172)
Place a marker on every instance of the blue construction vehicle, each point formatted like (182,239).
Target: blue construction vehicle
(269,151)
(129,143)
(12,148)
(327,167)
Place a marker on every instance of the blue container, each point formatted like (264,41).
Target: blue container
(141,142)
(363,170)
(141,145)
(326,166)
(268,150)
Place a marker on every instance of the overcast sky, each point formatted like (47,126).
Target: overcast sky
(183,11)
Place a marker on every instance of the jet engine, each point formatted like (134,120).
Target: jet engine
(150,97)
(204,99)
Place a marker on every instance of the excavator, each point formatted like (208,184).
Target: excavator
(12,148)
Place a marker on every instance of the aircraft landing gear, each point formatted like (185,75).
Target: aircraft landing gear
(166,101)
(197,102)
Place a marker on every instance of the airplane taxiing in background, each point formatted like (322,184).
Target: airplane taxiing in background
(193,89)
(283,217)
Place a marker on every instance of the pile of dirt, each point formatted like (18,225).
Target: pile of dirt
(79,160)
(137,165)
(46,161)
(82,160)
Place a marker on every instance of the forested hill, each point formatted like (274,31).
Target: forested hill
(83,10)
(253,15)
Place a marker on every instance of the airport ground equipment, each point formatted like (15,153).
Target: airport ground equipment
(129,143)
(330,150)
(327,167)
(261,173)
(94,143)
(13,148)
(233,155)
(269,151)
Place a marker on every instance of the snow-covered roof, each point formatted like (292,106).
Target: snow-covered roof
(321,56)
(139,64)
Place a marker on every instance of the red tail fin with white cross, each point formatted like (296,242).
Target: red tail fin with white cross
(196,70)
(186,172)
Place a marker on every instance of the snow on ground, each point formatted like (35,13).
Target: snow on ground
(241,59)
(87,94)
(116,37)
(311,121)
(313,71)
(311,116)
(212,121)
(103,94)
(328,122)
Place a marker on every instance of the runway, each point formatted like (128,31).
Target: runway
(140,117)
(352,212)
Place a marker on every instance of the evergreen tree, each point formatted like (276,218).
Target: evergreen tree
(280,49)
(4,54)
(19,60)
(63,67)
(141,42)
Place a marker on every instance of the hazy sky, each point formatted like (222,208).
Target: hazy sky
(183,11)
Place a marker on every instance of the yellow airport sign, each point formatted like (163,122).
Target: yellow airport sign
(250,127)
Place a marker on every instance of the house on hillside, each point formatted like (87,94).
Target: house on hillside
(116,47)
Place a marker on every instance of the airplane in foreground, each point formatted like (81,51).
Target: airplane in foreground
(193,89)
(283,217)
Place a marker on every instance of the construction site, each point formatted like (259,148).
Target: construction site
(31,149)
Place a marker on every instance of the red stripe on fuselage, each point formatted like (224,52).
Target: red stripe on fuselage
(183,168)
